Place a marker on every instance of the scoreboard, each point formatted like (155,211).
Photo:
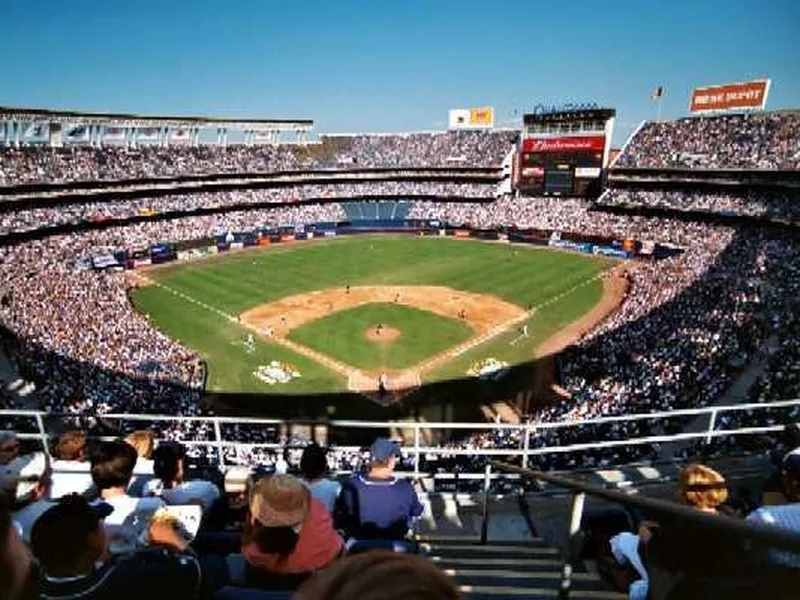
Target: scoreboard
(564,152)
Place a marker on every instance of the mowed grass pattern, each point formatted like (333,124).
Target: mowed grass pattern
(236,282)
(342,335)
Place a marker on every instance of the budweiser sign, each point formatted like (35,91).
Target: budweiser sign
(732,96)
(589,143)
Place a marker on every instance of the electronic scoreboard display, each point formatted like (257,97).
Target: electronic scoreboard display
(563,153)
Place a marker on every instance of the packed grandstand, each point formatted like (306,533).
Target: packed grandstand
(720,291)
(727,276)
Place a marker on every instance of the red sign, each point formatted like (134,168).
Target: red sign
(573,143)
(732,96)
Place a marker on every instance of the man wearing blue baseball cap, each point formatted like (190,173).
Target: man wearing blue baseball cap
(377,505)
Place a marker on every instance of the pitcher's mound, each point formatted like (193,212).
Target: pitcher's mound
(381,335)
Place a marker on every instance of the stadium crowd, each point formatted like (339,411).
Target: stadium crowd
(776,205)
(28,219)
(688,323)
(740,141)
(42,164)
(725,280)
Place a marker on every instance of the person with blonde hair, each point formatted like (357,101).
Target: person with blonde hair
(701,487)
(143,441)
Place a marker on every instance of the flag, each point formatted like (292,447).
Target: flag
(657,93)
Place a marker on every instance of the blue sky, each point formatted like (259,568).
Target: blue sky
(390,65)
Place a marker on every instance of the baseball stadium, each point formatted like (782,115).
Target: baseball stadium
(542,329)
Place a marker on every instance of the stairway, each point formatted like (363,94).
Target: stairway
(530,569)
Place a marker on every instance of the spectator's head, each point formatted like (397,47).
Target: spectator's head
(384,454)
(169,463)
(278,505)
(790,470)
(9,446)
(380,575)
(142,441)
(314,462)
(15,561)
(71,446)
(68,538)
(112,465)
(701,487)
(26,479)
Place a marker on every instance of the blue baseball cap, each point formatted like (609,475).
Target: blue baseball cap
(383,449)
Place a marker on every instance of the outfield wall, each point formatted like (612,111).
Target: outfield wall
(193,249)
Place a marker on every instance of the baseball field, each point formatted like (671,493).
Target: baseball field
(349,313)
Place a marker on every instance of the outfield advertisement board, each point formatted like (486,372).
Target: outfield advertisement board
(746,95)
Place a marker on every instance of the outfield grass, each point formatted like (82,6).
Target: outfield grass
(422,334)
(239,281)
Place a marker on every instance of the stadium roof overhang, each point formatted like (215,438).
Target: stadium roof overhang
(132,120)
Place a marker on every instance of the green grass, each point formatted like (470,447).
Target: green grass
(422,334)
(236,282)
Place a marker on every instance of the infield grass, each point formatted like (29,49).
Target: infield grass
(235,282)
(342,335)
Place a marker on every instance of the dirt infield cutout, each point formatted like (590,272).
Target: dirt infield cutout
(487,315)
(480,311)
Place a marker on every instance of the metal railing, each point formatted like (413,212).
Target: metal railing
(524,433)
(761,536)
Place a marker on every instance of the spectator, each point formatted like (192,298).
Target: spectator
(378,505)
(72,466)
(26,482)
(112,469)
(698,486)
(171,485)
(774,491)
(785,516)
(9,446)
(16,581)
(69,541)
(287,531)
(314,465)
(380,575)
(143,441)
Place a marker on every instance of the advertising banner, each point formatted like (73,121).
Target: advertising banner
(114,134)
(572,143)
(587,172)
(458,118)
(747,95)
(37,131)
(181,134)
(76,133)
(480,117)
(147,133)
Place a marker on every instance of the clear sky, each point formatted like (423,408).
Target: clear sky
(390,65)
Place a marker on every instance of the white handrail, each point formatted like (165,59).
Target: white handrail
(527,431)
